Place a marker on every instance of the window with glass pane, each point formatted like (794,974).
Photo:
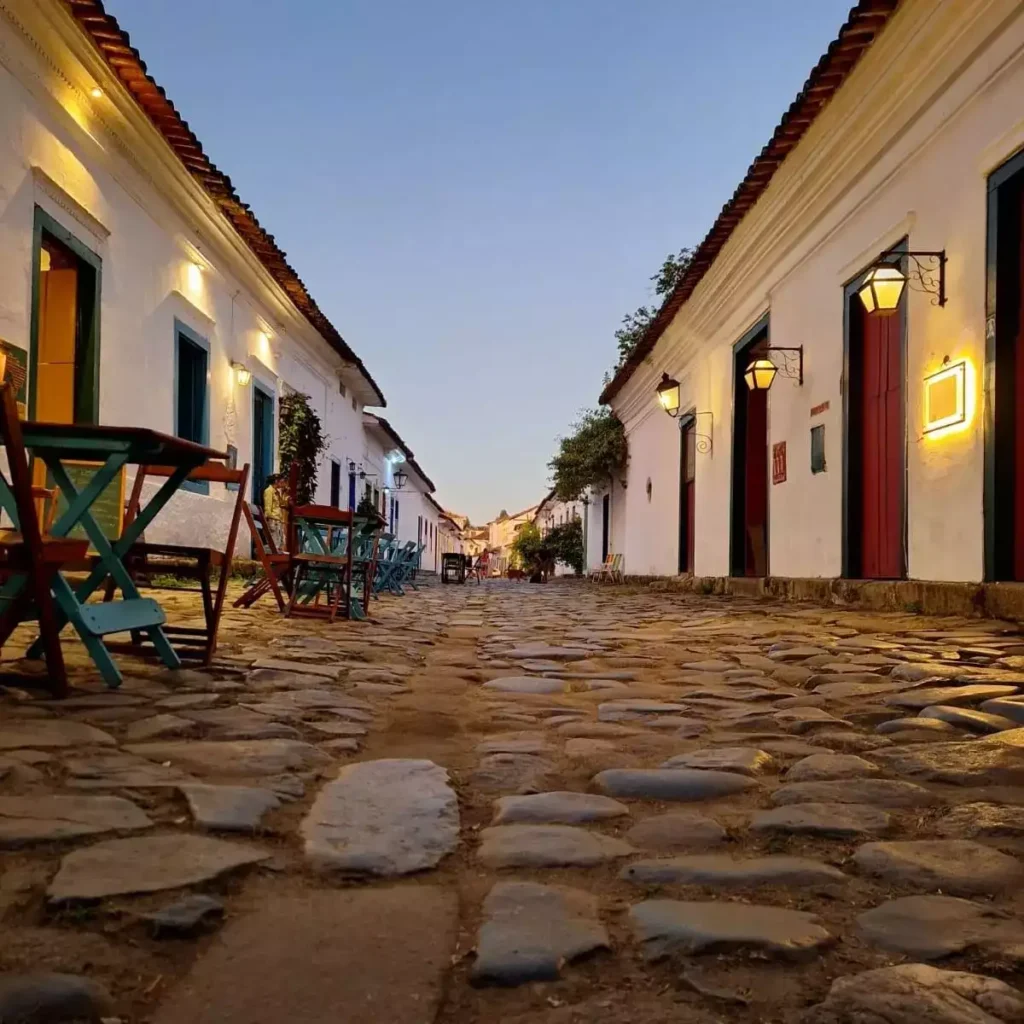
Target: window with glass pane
(191,412)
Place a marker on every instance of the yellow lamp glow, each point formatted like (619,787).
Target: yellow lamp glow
(242,374)
(949,399)
(882,289)
(760,374)
(195,277)
(668,395)
(95,92)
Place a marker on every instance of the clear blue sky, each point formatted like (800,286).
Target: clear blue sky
(476,192)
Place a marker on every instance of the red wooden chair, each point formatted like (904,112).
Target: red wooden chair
(276,564)
(30,553)
(192,562)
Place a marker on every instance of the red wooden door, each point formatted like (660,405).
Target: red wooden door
(882,447)
(689,494)
(1018,429)
(756,484)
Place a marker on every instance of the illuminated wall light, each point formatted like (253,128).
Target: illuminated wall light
(96,92)
(243,375)
(949,399)
(195,277)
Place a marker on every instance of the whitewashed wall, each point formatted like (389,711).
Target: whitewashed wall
(903,150)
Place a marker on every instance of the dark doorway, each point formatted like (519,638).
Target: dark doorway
(875,441)
(262,440)
(687,492)
(606,525)
(335,483)
(749,547)
(1004,375)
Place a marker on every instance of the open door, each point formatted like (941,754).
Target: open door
(749,512)
(687,493)
(606,525)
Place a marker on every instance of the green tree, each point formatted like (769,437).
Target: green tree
(635,324)
(301,441)
(527,546)
(565,542)
(594,453)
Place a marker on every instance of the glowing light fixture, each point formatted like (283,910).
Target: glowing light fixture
(195,277)
(882,289)
(96,92)
(668,395)
(949,399)
(760,374)
(401,477)
(243,375)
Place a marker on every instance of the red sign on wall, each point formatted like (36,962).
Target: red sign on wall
(779,462)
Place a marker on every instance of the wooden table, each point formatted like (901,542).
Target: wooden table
(112,448)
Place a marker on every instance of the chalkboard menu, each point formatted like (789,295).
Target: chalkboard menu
(107,509)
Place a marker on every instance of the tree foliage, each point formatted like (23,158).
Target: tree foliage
(565,542)
(595,452)
(527,546)
(635,324)
(301,441)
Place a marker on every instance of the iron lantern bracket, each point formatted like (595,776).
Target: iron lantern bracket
(926,267)
(796,354)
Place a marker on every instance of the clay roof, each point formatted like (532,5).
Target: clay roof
(865,21)
(124,60)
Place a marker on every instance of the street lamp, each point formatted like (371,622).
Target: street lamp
(668,395)
(882,289)
(760,374)
(400,479)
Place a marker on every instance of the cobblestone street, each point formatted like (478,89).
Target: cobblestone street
(520,803)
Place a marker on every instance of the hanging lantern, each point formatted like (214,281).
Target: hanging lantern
(882,289)
(400,478)
(668,395)
(760,374)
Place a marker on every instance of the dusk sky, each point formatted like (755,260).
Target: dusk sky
(476,192)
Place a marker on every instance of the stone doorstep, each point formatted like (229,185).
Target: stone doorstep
(991,600)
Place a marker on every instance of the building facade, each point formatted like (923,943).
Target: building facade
(886,445)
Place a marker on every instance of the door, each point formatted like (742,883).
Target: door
(687,494)
(749,510)
(335,484)
(879,363)
(262,441)
(1017,298)
(606,524)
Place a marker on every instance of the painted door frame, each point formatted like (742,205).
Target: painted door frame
(89,318)
(259,388)
(849,296)
(1002,305)
(688,419)
(762,326)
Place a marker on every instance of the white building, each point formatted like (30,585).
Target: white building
(885,446)
(552,512)
(136,284)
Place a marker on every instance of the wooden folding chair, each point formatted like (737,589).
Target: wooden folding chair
(29,559)
(276,564)
(146,559)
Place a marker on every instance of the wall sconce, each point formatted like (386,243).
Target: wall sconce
(96,92)
(243,375)
(761,373)
(668,395)
(946,398)
(884,283)
(400,479)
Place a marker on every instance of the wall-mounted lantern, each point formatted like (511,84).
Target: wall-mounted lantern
(761,373)
(884,283)
(668,395)
(400,479)
(243,375)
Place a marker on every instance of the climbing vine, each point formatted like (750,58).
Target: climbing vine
(301,441)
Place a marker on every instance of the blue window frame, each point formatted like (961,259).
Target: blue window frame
(191,392)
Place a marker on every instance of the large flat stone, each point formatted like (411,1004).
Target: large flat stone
(1005,707)
(531,931)
(563,808)
(304,668)
(540,846)
(677,830)
(968,821)
(48,998)
(158,727)
(546,651)
(513,773)
(722,871)
(228,808)
(526,684)
(826,767)
(955,695)
(916,723)
(743,760)
(234,757)
(932,927)
(959,866)
(972,763)
(682,784)
(45,818)
(917,994)
(41,733)
(839,820)
(118,867)
(668,927)
(969,718)
(872,792)
(383,818)
(114,769)
(364,956)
